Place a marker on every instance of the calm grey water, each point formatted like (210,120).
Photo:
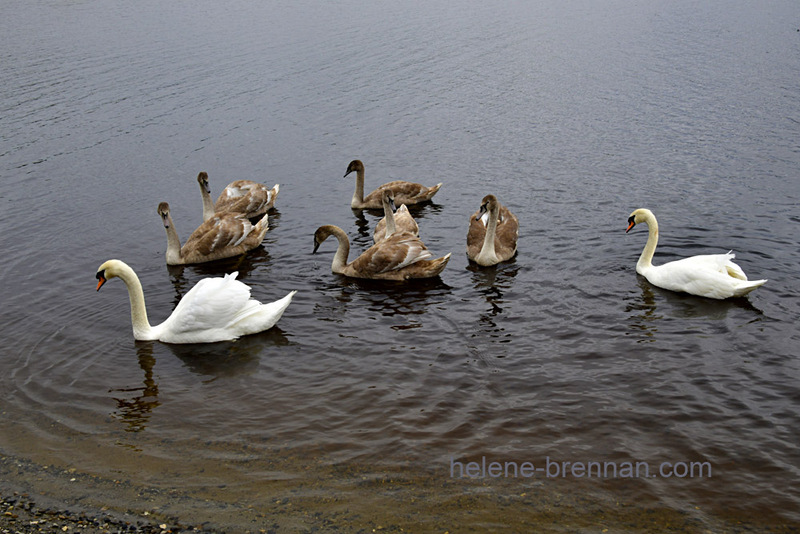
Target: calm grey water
(352,412)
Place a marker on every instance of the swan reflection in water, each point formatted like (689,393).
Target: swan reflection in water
(229,358)
(212,360)
(492,283)
(656,304)
(407,302)
(135,411)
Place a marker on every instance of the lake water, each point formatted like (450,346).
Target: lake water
(364,407)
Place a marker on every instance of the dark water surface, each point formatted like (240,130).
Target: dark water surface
(356,410)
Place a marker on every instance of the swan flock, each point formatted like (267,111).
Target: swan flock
(221,308)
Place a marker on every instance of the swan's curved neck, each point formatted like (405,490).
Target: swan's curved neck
(208,205)
(487,250)
(173,243)
(358,195)
(340,258)
(389,214)
(142,331)
(646,259)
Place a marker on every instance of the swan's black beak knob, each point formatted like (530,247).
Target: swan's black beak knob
(102,279)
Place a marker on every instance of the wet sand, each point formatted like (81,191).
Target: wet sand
(37,498)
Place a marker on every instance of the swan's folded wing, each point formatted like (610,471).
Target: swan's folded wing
(243,196)
(721,263)
(221,231)
(712,284)
(704,275)
(405,189)
(396,252)
(403,192)
(476,232)
(507,227)
(212,303)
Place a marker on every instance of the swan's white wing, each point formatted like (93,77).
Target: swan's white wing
(712,275)
(257,317)
(212,304)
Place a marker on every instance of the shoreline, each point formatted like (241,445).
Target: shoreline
(26,509)
(42,498)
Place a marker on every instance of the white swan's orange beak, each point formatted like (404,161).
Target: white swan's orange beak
(101,280)
(631,224)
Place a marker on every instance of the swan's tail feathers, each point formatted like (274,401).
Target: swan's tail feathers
(272,194)
(262,225)
(748,286)
(259,317)
(432,191)
(434,268)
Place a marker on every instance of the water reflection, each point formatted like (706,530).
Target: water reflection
(136,404)
(228,358)
(407,301)
(135,411)
(362,225)
(500,274)
(686,306)
(643,312)
(678,306)
(492,283)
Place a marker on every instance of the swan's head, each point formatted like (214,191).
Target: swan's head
(202,179)
(163,211)
(107,271)
(488,203)
(355,166)
(641,215)
(322,233)
(387,197)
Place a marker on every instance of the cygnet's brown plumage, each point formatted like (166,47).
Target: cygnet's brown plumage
(400,222)
(405,193)
(246,197)
(222,236)
(492,234)
(399,257)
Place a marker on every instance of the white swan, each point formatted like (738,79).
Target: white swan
(712,275)
(215,309)
(493,232)
(400,222)
(249,198)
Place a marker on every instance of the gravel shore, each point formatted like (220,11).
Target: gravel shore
(20,513)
